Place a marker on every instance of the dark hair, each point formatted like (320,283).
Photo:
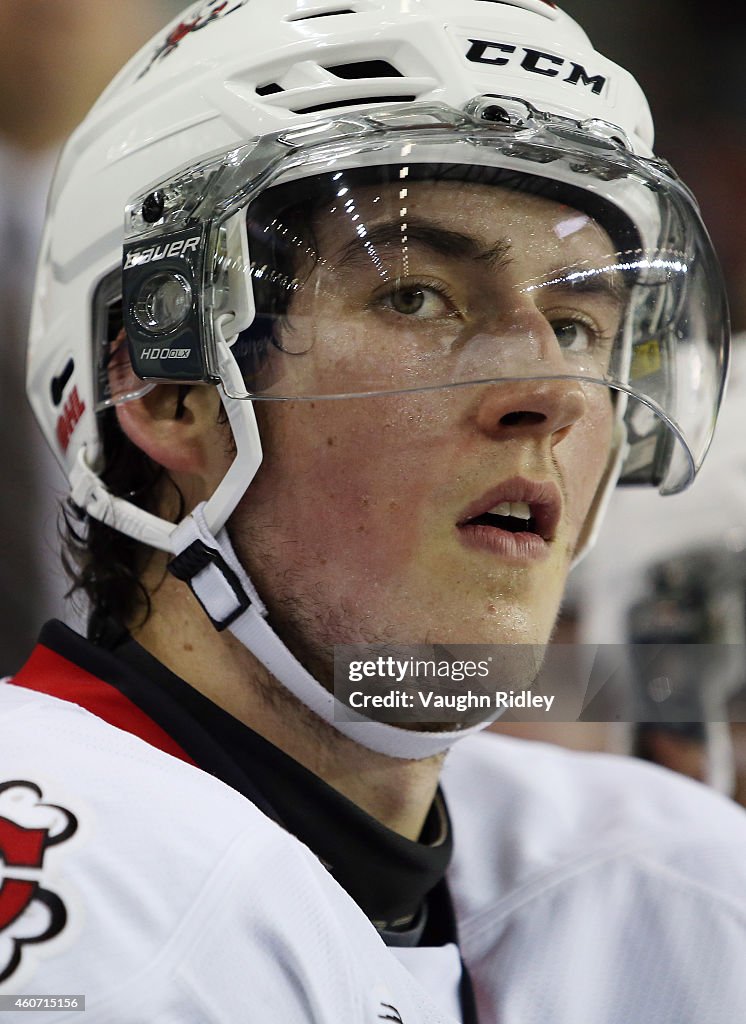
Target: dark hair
(102,563)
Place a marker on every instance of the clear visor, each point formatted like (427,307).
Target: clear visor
(416,263)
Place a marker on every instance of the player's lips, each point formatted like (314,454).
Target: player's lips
(516,519)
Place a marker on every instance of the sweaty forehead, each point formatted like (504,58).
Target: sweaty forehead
(461,219)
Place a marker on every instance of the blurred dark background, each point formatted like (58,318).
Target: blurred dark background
(689,59)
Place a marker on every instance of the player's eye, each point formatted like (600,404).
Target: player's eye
(574,335)
(419,301)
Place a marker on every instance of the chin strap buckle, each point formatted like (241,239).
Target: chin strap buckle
(212,581)
(207,562)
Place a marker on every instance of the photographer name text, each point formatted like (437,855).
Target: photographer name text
(430,700)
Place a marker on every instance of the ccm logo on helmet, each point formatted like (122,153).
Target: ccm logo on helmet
(162,252)
(536,61)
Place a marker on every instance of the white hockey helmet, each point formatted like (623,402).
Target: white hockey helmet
(172,212)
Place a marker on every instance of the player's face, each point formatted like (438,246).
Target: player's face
(449,515)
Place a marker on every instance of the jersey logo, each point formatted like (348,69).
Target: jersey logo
(29,913)
(390,1012)
(204,15)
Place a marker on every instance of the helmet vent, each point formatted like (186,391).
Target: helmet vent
(319,14)
(271,89)
(331,8)
(365,69)
(349,102)
(354,71)
(301,90)
(537,6)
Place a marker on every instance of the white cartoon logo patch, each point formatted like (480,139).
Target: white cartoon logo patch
(29,913)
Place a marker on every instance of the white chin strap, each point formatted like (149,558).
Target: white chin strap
(207,562)
(217,579)
(204,558)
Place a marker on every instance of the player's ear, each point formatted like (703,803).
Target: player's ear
(179,427)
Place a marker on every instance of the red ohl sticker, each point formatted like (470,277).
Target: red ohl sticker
(72,412)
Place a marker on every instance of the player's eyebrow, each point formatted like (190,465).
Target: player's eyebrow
(443,241)
(604,280)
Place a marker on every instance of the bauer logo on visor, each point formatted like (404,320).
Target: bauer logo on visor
(161,252)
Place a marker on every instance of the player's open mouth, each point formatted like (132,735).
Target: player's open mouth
(516,519)
(514,516)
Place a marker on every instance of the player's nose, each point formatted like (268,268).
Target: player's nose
(538,408)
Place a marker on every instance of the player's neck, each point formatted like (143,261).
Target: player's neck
(397,793)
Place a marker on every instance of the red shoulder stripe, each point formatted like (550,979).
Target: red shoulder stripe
(50,673)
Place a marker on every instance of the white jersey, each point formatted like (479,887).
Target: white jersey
(595,889)
(588,888)
(162,895)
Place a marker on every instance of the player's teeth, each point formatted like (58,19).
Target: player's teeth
(520,510)
(516,509)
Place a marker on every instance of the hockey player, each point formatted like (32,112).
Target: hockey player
(348,317)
